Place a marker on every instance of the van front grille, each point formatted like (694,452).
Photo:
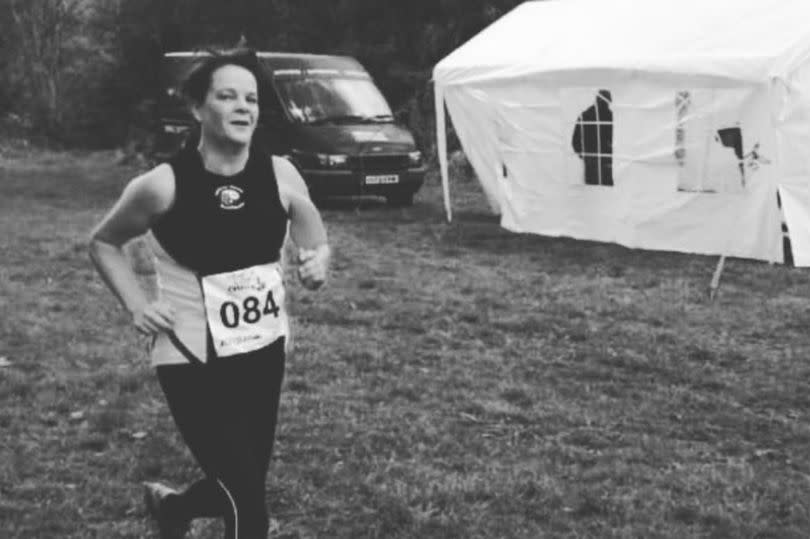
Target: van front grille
(379,163)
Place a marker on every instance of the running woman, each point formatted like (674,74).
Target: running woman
(216,216)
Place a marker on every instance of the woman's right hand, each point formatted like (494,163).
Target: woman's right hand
(153,318)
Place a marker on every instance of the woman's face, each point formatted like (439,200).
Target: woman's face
(230,110)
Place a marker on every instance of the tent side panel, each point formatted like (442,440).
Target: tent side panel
(643,164)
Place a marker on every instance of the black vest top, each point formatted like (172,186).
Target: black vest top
(223,223)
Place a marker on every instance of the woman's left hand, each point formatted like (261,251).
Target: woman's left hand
(313,265)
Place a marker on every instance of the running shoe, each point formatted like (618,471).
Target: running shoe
(154,495)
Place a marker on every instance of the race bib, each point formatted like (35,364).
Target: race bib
(245,309)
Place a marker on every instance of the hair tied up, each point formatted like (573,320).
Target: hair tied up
(198,82)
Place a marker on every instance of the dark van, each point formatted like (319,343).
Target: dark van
(325,114)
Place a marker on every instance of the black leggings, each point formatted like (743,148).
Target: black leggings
(226,411)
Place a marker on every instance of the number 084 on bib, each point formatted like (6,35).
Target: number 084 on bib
(245,309)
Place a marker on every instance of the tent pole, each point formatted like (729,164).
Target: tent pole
(441,148)
(715,284)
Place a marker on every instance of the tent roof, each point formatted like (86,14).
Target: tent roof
(746,40)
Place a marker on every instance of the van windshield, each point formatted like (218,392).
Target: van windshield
(333,100)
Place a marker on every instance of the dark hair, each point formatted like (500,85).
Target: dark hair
(198,82)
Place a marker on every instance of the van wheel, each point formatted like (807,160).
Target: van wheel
(401,200)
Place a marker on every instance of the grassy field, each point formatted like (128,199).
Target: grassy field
(453,381)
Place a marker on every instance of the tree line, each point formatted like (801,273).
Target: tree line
(86,72)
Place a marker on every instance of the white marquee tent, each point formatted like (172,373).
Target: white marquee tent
(657,124)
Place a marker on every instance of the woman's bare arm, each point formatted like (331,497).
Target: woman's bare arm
(142,201)
(306,226)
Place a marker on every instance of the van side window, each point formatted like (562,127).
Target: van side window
(271,108)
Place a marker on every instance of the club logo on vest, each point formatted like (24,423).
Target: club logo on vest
(230,197)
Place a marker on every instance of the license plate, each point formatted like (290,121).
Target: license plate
(385,178)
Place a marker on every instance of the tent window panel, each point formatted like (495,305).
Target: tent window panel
(591,139)
(714,146)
